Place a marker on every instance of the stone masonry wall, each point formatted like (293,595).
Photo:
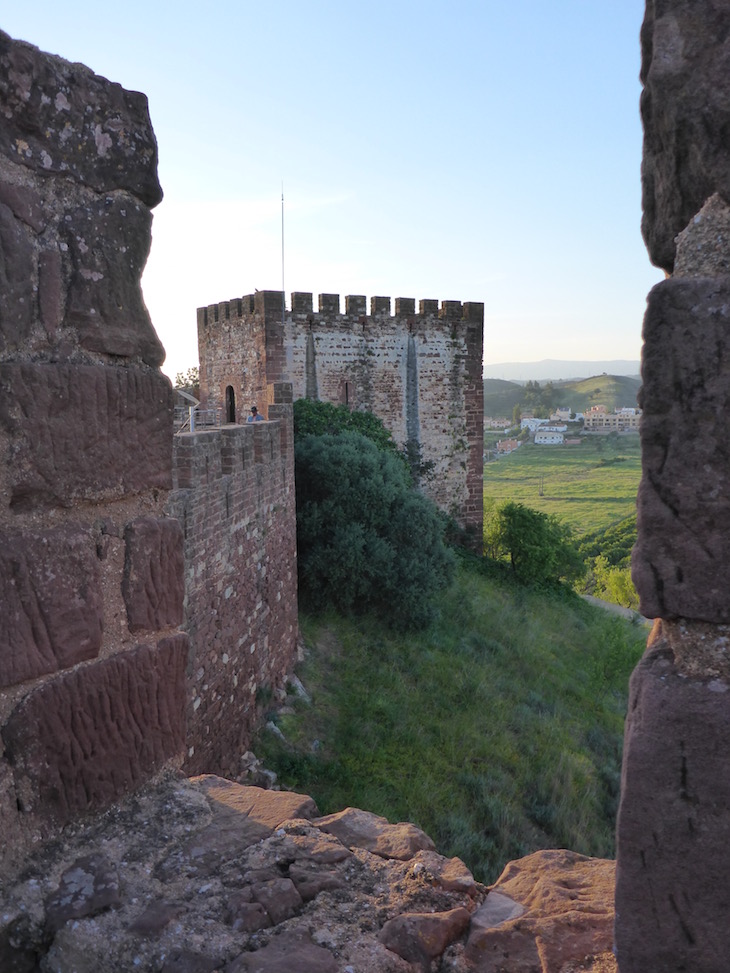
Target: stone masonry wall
(673,860)
(92,662)
(234,497)
(420,371)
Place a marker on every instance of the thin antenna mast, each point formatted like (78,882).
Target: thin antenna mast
(283,291)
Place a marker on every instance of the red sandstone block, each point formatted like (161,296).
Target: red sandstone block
(153,585)
(51,603)
(105,139)
(680,563)
(85,432)
(17,262)
(104,303)
(673,853)
(50,289)
(89,736)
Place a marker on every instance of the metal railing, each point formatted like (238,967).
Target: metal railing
(193,418)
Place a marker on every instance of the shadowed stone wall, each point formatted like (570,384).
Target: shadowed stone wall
(234,497)
(419,371)
(92,662)
(673,890)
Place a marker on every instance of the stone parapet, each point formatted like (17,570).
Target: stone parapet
(234,497)
(672,887)
(89,564)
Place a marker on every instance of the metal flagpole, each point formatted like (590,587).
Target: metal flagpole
(283,291)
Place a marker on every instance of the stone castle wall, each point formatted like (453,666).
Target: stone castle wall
(115,535)
(672,886)
(419,370)
(92,661)
(234,496)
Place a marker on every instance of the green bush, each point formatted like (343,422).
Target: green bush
(322,418)
(366,540)
(538,546)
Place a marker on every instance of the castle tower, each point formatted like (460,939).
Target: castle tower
(420,371)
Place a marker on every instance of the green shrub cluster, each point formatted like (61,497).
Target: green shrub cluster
(538,546)
(312,418)
(613,542)
(366,540)
(607,554)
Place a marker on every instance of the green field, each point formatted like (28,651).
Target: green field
(589,486)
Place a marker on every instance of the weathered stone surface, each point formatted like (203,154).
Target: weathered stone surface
(555,908)
(153,584)
(108,242)
(703,247)
(279,897)
(84,739)
(239,518)
(448,873)
(25,203)
(244,914)
(88,887)
(74,122)
(16,284)
(680,564)
(268,808)
(362,829)
(202,910)
(310,879)
(51,614)
(153,919)
(288,952)
(685,107)
(672,893)
(421,937)
(84,432)
(189,961)
(50,291)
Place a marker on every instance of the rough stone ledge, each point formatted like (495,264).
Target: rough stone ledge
(204,874)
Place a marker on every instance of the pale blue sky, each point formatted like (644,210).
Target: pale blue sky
(463,150)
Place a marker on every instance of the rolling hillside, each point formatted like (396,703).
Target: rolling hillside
(613,391)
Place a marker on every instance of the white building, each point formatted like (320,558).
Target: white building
(545,438)
(532,424)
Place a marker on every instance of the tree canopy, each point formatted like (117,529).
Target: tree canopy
(366,540)
(313,418)
(538,547)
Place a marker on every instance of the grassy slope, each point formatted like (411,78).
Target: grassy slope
(497,730)
(589,486)
(613,391)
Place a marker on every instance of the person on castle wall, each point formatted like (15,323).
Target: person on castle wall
(254,416)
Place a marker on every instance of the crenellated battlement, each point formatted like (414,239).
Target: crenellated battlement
(356,307)
(416,364)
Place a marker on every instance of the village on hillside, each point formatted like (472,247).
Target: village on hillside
(563,427)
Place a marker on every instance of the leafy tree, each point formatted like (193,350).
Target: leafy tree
(366,540)
(516,415)
(188,380)
(614,542)
(538,546)
(319,418)
(613,583)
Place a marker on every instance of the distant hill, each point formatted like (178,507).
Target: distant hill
(552,370)
(613,391)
